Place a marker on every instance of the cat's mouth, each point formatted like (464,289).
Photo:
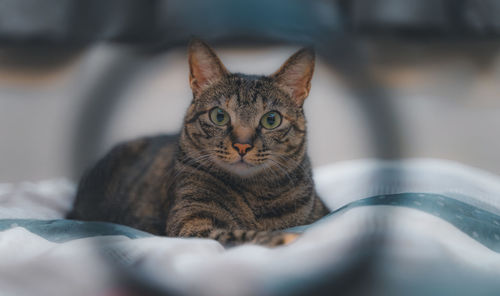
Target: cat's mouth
(242,167)
(242,163)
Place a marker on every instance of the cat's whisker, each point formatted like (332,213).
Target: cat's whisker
(190,162)
(299,165)
(279,166)
(271,173)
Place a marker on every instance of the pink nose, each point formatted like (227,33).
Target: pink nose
(242,148)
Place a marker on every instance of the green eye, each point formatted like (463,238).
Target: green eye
(271,120)
(219,116)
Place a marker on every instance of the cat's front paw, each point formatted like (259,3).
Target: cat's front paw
(274,239)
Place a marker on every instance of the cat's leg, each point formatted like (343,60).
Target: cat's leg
(240,236)
(209,226)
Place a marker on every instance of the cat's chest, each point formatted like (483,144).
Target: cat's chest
(267,210)
(246,206)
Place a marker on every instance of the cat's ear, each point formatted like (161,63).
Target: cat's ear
(205,68)
(295,75)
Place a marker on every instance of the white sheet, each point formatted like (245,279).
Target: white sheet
(415,242)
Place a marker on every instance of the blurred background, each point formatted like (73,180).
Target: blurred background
(394,79)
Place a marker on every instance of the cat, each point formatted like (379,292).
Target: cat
(238,172)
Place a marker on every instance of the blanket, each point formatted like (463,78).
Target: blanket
(412,227)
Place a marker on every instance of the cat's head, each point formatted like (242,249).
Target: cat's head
(245,124)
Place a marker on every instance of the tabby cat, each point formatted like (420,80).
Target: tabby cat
(238,172)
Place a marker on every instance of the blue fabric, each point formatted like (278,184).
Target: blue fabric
(481,225)
(62,230)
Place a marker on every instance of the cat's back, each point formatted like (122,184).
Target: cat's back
(129,185)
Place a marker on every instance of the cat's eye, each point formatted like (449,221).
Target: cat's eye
(271,120)
(219,116)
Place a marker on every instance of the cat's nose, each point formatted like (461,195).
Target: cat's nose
(242,148)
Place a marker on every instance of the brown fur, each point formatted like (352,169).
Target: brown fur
(198,184)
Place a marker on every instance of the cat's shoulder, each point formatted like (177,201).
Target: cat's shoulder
(130,155)
(136,146)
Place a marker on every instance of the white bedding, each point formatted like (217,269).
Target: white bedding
(415,243)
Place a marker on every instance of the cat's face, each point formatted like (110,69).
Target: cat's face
(246,124)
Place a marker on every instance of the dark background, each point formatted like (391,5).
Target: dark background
(395,78)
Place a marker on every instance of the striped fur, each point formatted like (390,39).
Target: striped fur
(196,184)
